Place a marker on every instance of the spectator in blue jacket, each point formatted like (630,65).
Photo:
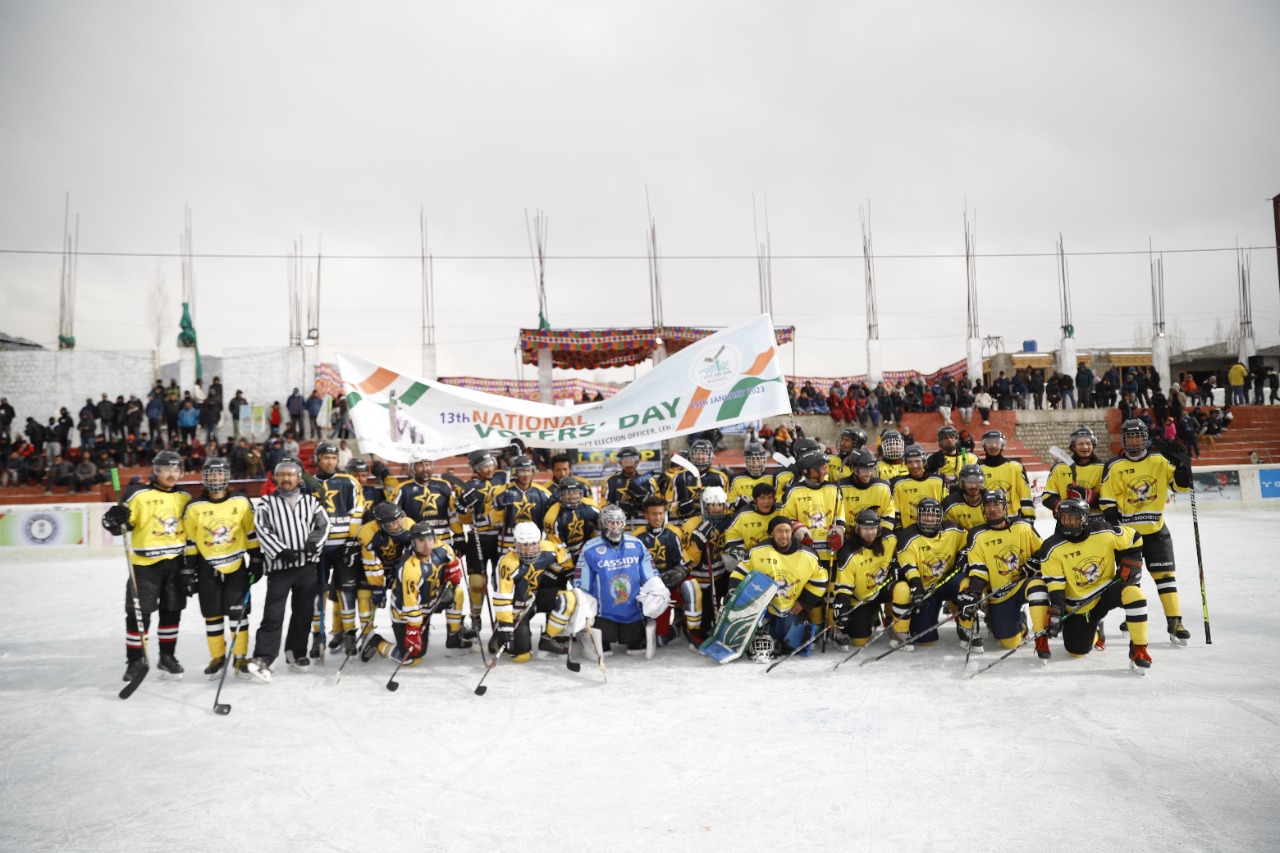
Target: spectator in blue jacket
(314,404)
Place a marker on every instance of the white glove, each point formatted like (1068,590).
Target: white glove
(654,598)
(584,611)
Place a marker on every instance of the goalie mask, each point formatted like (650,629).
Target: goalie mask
(613,523)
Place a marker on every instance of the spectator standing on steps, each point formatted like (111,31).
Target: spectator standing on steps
(296,407)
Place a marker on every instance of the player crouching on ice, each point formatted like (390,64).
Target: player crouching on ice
(430,577)
(529,575)
(616,595)
(801,582)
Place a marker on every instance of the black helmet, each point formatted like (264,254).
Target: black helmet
(805,445)
(892,444)
(476,458)
(215,474)
(386,514)
(701,453)
(993,435)
(971,473)
(570,492)
(996,497)
(861,459)
(867,517)
(1133,438)
(812,460)
(166,459)
(948,431)
(755,458)
(856,435)
(914,451)
(522,463)
(325,448)
(1078,510)
(358,466)
(929,516)
(628,453)
(422,530)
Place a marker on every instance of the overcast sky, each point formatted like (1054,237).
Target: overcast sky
(1113,124)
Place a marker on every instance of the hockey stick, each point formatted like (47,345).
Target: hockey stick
(392,684)
(859,649)
(317,636)
(812,639)
(481,689)
(364,633)
(224,708)
(977,629)
(950,617)
(806,644)
(599,654)
(137,605)
(569,663)
(1029,637)
(1204,598)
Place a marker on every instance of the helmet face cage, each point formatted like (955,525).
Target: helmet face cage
(215,475)
(570,494)
(1133,435)
(701,454)
(528,540)
(892,445)
(613,521)
(755,460)
(929,515)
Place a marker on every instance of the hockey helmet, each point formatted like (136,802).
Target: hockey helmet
(867,519)
(995,504)
(478,459)
(522,466)
(701,453)
(856,437)
(914,456)
(971,478)
(814,460)
(215,474)
(325,448)
(892,445)
(714,496)
(929,516)
(993,437)
(388,516)
(1133,437)
(613,523)
(805,445)
(755,458)
(948,437)
(358,466)
(166,459)
(1083,433)
(1073,518)
(528,539)
(570,492)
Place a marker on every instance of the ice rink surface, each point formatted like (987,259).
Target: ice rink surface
(903,754)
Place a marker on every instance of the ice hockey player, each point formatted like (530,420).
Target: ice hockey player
(615,590)
(801,580)
(909,490)
(371,488)
(342,497)
(429,577)
(1094,569)
(152,515)
(1133,492)
(521,500)
(742,487)
(930,555)
(1000,558)
(863,489)
(475,507)
(789,474)
(1081,479)
(750,526)
(530,574)
(686,489)
(817,512)
(572,519)
(628,487)
(1007,474)
(666,550)
(892,448)
(384,539)
(222,547)
(866,569)
(851,438)
(950,457)
(704,554)
(964,505)
(426,497)
(292,529)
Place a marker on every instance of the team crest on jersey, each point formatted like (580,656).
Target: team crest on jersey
(219,534)
(1011,562)
(600,549)
(1087,573)
(881,575)
(817,520)
(620,587)
(1142,491)
(934,568)
(168,526)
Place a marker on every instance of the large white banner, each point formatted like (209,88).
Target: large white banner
(727,378)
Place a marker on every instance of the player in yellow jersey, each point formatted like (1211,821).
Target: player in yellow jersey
(742,487)
(802,583)
(1008,474)
(866,569)
(852,439)
(1091,571)
(704,543)
(892,448)
(1133,493)
(1082,478)
(531,574)
(750,526)
(930,554)
(152,516)
(792,472)
(915,486)
(863,489)
(964,505)
(999,558)
(222,546)
(950,457)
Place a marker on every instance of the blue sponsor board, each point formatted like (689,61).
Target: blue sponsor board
(1269,478)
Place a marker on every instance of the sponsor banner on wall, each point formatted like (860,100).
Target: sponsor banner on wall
(601,464)
(1217,485)
(46,526)
(1269,480)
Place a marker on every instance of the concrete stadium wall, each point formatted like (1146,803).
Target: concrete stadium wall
(39,382)
(264,374)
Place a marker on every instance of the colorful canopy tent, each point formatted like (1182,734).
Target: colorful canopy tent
(586,349)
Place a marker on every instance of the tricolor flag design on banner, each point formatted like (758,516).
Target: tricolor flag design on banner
(726,378)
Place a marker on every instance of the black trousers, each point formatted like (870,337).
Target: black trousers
(303,583)
(158,590)
(221,595)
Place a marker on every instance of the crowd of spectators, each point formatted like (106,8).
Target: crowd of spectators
(78,452)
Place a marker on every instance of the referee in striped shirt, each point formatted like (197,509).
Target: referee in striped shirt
(292,528)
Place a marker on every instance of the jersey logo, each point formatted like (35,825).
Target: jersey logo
(1142,491)
(428,503)
(881,575)
(933,569)
(1087,573)
(620,587)
(817,519)
(219,534)
(168,526)
(1011,562)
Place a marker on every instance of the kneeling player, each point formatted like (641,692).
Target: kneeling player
(430,577)
(529,575)
(930,557)
(801,580)
(865,570)
(616,591)
(1091,572)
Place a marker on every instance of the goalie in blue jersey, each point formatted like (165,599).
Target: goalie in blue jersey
(616,593)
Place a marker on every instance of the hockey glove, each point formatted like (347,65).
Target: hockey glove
(351,553)
(1084,493)
(380,470)
(802,534)
(452,573)
(502,637)
(116,520)
(379,597)
(289,558)
(188,579)
(674,577)
(1129,566)
(311,553)
(1112,515)
(917,592)
(967,601)
(835,539)
(1057,609)
(413,641)
(460,544)
(841,609)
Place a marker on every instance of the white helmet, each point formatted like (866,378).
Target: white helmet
(528,540)
(714,495)
(417,454)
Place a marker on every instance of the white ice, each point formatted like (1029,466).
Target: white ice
(904,754)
